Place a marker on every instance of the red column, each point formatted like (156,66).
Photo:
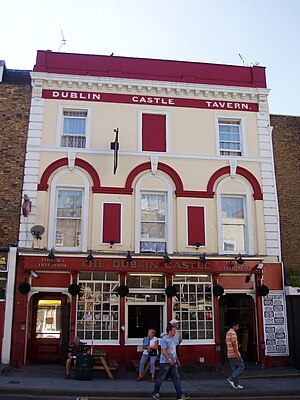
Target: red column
(261,342)
(122,324)
(73,309)
(217,325)
(169,299)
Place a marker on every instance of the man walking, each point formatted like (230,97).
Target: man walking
(168,362)
(234,356)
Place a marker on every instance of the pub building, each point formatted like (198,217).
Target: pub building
(153,197)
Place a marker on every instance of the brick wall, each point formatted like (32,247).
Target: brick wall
(15,97)
(286,145)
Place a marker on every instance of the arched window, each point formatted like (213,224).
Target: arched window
(68,213)
(154,223)
(235,222)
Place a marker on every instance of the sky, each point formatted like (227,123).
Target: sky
(236,32)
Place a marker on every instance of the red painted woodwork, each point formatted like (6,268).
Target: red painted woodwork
(235,282)
(257,193)
(153,132)
(51,280)
(272,276)
(43,185)
(196,225)
(111,223)
(128,190)
(149,69)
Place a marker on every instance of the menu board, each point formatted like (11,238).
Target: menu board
(275,327)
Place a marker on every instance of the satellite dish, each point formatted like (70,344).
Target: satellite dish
(37,231)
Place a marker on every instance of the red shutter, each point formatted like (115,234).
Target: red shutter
(196,227)
(111,223)
(154,132)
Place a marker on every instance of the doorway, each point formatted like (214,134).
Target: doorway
(239,308)
(49,328)
(143,317)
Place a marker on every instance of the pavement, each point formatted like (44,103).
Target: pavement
(48,380)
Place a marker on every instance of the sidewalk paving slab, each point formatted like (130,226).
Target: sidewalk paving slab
(49,380)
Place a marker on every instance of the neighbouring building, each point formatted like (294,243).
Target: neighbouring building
(153,196)
(286,149)
(15,98)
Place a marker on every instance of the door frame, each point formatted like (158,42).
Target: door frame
(254,317)
(33,298)
(137,341)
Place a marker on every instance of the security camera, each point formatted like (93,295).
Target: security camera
(34,274)
(260,266)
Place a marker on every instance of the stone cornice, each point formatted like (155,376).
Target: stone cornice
(104,84)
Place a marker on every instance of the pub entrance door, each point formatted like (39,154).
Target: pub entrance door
(49,328)
(144,317)
(240,308)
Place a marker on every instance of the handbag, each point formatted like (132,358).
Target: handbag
(153,352)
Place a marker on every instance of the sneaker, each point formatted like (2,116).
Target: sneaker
(232,383)
(239,387)
(184,397)
(156,396)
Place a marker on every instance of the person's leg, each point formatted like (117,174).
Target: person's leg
(239,368)
(142,364)
(162,373)
(152,366)
(68,366)
(176,380)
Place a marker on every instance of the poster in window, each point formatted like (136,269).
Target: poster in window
(275,324)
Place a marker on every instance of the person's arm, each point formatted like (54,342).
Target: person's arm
(234,342)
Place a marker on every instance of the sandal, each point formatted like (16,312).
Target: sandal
(139,379)
(152,379)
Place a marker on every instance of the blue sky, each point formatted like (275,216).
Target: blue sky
(262,31)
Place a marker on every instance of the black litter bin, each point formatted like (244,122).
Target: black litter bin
(84,367)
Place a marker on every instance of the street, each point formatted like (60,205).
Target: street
(21,396)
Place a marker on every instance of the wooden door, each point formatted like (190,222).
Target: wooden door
(47,326)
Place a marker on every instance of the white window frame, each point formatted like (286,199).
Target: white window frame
(53,208)
(169,212)
(121,222)
(140,129)
(60,123)
(243,135)
(99,341)
(187,275)
(248,218)
(187,225)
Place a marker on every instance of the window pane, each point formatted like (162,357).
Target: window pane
(229,137)
(98,310)
(153,207)
(74,126)
(69,203)
(233,224)
(68,233)
(153,231)
(193,307)
(68,220)
(153,222)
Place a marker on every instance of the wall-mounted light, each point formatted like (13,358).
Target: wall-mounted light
(167,259)
(111,242)
(203,258)
(197,245)
(51,255)
(33,274)
(128,257)
(90,256)
(239,259)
